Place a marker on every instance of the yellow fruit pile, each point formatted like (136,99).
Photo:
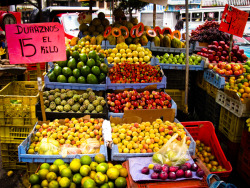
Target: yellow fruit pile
(72,133)
(248,124)
(128,54)
(240,85)
(145,137)
(205,155)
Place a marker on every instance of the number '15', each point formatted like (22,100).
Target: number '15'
(23,45)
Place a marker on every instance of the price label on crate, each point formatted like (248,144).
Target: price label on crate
(233,21)
(35,43)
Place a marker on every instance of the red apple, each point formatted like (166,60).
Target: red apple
(215,43)
(211,57)
(222,43)
(220,48)
(218,53)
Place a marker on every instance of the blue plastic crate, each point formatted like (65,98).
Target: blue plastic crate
(180,67)
(170,50)
(117,86)
(120,115)
(75,86)
(116,156)
(113,46)
(214,78)
(36,158)
(152,62)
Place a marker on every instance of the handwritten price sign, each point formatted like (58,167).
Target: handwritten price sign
(233,21)
(35,43)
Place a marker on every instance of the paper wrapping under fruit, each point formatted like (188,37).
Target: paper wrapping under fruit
(137,163)
(173,153)
(106,132)
(89,146)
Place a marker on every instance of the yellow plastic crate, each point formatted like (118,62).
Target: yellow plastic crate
(211,90)
(231,125)
(178,96)
(23,113)
(200,81)
(32,75)
(9,154)
(14,134)
(32,168)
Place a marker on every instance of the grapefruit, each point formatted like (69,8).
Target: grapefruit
(99,158)
(43,173)
(123,172)
(93,165)
(75,165)
(66,172)
(113,173)
(121,182)
(64,182)
(77,178)
(53,184)
(84,170)
(89,183)
(54,168)
(86,160)
(58,162)
(34,179)
(51,176)
(45,166)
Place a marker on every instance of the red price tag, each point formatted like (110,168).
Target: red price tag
(35,43)
(233,21)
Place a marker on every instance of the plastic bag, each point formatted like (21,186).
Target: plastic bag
(48,146)
(173,153)
(89,146)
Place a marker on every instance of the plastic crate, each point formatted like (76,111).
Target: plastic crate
(205,132)
(243,164)
(169,184)
(117,156)
(211,90)
(170,50)
(212,111)
(32,168)
(176,79)
(200,81)
(200,103)
(32,75)
(199,45)
(9,154)
(75,86)
(32,66)
(214,78)
(7,78)
(180,67)
(27,95)
(116,86)
(232,105)
(245,140)
(231,125)
(14,134)
(178,96)
(36,158)
(120,115)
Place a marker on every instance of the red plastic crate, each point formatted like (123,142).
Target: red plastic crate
(245,140)
(243,164)
(205,132)
(169,184)
(32,66)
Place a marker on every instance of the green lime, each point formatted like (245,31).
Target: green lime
(85,160)
(45,166)
(52,76)
(68,53)
(98,63)
(90,63)
(95,70)
(76,73)
(81,80)
(53,184)
(77,178)
(83,58)
(72,63)
(66,172)
(62,79)
(54,168)
(80,64)
(101,55)
(120,182)
(57,70)
(58,162)
(64,182)
(75,55)
(91,79)
(92,54)
(85,70)
(34,179)
(102,77)
(62,63)
(102,60)
(72,79)
(66,71)
(104,68)
(43,173)
(89,183)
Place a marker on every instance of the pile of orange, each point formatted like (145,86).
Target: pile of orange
(241,85)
